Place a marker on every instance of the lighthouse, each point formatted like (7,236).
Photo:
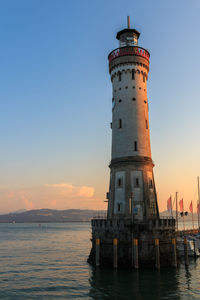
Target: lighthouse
(132,234)
(132,189)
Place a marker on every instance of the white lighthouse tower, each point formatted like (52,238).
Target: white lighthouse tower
(132,190)
(133,231)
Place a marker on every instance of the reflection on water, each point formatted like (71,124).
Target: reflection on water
(131,284)
(49,262)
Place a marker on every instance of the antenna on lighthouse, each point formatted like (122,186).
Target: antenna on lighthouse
(128,21)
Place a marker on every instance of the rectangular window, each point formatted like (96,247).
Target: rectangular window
(135,146)
(137,182)
(133,74)
(143,78)
(120,123)
(118,207)
(150,183)
(120,78)
(119,182)
(146,124)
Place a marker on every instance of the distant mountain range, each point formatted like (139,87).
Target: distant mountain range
(69,215)
(51,215)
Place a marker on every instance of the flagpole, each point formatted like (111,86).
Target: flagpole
(198,203)
(176,212)
(171,207)
(191,210)
(183,218)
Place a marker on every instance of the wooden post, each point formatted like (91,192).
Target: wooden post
(97,256)
(174,253)
(157,250)
(115,258)
(135,254)
(186,251)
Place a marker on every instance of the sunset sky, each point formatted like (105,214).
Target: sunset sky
(56,96)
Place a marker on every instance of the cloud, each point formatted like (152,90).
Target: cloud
(69,190)
(86,191)
(55,196)
(61,185)
(28,204)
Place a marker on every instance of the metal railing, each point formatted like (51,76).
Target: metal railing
(133,50)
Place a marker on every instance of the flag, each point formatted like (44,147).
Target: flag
(181,205)
(169,204)
(191,207)
(198,207)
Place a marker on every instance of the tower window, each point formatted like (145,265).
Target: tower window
(133,86)
(133,99)
(143,78)
(118,207)
(120,123)
(135,146)
(119,74)
(139,88)
(137,182)
(119,182)
(146,124)
(133,74)
(126,87)
(120,100)
(150,183)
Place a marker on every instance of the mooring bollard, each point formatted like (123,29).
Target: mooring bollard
(174,253)
(186,251)
(157,250)
(135,253)
(97,252)
(115,262)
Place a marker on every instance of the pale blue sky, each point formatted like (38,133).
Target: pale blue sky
(55,94)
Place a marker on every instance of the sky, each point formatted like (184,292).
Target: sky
(56,94)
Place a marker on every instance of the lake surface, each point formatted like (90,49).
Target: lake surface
(48,261)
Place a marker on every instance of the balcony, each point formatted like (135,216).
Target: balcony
(127,51)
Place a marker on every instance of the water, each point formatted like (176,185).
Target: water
(49,262)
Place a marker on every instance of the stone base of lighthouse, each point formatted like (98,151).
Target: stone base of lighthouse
(113,242)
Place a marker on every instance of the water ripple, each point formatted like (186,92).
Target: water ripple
(49,262)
